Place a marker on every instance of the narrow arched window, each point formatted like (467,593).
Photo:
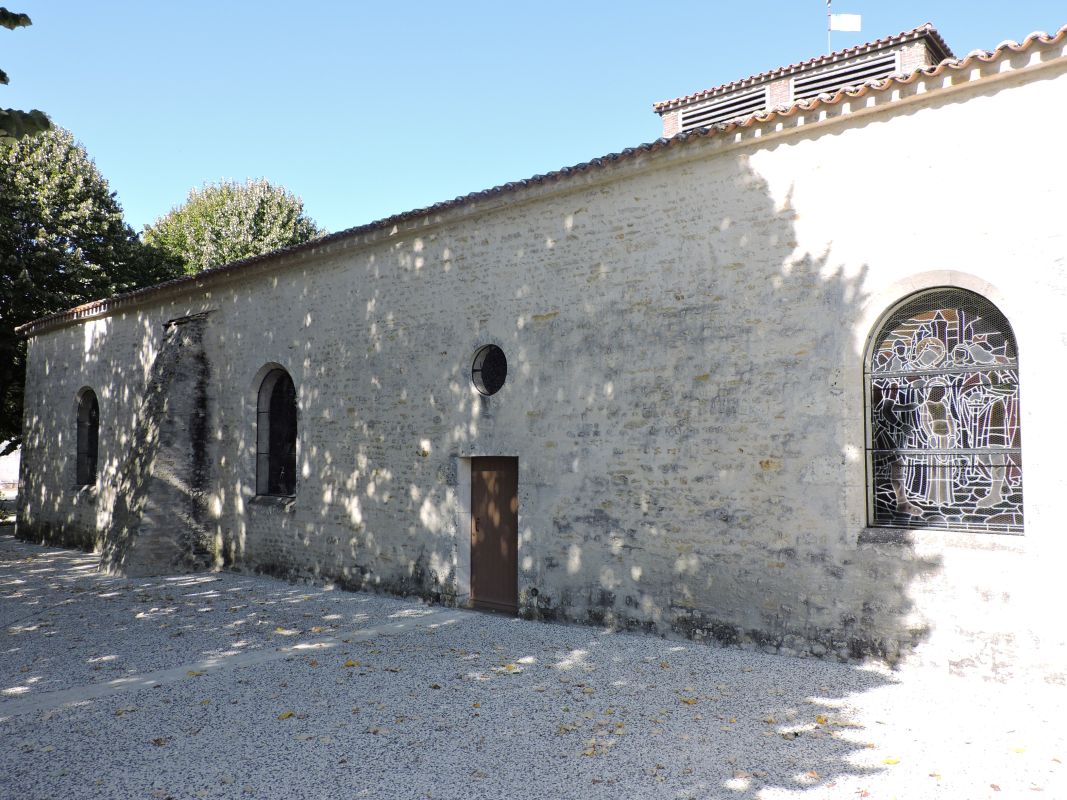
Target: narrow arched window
(276,435)
(944,442)
(88,437)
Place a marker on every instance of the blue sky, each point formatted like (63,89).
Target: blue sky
(369,109)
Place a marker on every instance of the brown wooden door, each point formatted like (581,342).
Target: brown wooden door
(495,533)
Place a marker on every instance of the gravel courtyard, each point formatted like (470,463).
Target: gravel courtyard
(231,685)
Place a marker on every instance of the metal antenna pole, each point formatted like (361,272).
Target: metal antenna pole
(829,26)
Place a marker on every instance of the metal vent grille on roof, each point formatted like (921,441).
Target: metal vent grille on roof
(721,109)
(849,74)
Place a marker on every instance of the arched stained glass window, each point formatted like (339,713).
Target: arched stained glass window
(276,435)
(944,446)
(88,438)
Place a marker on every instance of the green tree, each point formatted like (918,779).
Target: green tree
(16,124)
(63,242)
(227,221)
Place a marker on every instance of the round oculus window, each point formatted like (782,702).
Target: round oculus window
(490,369)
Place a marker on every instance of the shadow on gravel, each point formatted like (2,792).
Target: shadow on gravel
(66,623)
(704,722)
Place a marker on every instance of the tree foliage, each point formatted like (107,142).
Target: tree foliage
(228,221)
(16,124)
(63,242)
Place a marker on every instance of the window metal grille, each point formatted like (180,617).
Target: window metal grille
(490,369)
(945,440)
(724,108)
(852,73)
(88,438)
(276,435)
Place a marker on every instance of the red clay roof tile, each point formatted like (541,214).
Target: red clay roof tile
(923,31)
(210,275)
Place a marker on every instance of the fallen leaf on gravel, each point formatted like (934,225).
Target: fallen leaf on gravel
(122,711)
(286,632)
(392,669)
(664,665)
(160,741)
(820,719)
(689,701)
(313,663)
(770,720)
(890,760)
(194,673)
(477,705)
(317,629)
(565,728)
(205,702)
(351,663)
(286,715)
(812,773)
(435,686)
(587,690)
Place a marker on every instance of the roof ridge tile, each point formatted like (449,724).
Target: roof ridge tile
(926,29)
(100,306)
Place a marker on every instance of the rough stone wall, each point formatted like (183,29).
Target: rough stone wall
(160,520)
(147,512)
(685,336)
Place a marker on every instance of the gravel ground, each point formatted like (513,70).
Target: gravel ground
(229,685)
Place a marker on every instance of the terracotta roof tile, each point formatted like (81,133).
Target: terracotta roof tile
(923,31)
(681,139)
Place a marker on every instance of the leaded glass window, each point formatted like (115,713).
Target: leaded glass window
(276,435)
(944,447)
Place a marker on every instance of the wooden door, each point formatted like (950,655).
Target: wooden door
(495,533)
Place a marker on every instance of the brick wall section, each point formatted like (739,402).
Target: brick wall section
(780,93)
(672,124)
(914,55)
(685,341)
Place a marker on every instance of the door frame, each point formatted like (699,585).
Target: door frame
(461,543)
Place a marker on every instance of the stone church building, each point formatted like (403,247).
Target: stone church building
(762,381)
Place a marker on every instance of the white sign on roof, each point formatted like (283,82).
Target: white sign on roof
(844,22)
